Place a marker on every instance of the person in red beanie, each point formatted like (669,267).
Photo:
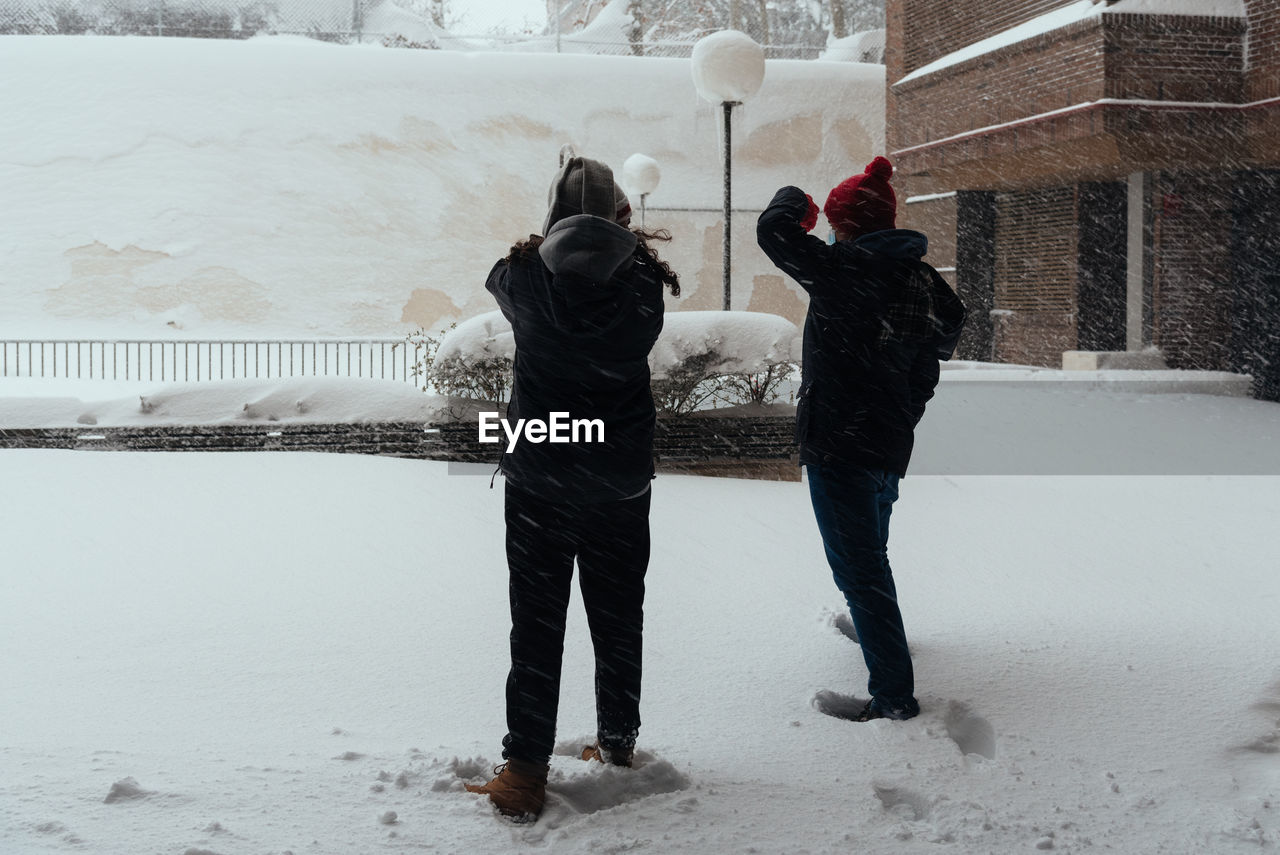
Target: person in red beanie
(879,321)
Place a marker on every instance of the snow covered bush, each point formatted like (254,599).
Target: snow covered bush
(688,386)
(760,387)
(472,359)
(728,357)
(700,358)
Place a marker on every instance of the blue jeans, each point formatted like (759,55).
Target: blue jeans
(852,507)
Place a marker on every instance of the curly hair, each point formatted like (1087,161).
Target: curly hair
(644,254)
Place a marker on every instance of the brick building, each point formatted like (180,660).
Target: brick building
(1110,171)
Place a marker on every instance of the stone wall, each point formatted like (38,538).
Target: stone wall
(752,447)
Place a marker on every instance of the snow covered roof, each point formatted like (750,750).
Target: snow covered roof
(1198,8)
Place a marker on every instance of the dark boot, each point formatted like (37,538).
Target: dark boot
(518,789)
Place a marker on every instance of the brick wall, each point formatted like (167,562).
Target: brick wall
(1033,338)
(1049,72)
(1035,275)
(975,271)
(1191,288)
(1101,271)
(1055,277)
(896,27)
(1255,312)
(1171,58)
(1059,271)
(939,27)
(1263,62)
(1197,59)
(936,219)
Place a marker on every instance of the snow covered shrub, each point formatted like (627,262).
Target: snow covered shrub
(729,357)
(486,379)
(472,359)
(700,358)
(760,387)
(685,387)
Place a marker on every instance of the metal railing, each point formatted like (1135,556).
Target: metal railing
(205,360)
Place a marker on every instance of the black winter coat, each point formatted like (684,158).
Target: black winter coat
(586,310)
(879,320)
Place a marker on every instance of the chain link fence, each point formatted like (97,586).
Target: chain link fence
(331,20)
(786,29)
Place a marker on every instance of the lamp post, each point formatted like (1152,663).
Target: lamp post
(728,68)
(640,177)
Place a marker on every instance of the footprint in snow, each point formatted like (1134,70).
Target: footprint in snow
(837,705)
(596,787)
(972,733)
(904,803)
(843,624)
(1268,742)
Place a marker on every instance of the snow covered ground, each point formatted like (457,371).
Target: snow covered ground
(270,653)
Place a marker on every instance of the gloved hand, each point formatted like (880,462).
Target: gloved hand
(811,216)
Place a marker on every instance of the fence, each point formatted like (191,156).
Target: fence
(187,361)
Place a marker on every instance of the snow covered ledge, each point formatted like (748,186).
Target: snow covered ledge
(1093,360)
(1101,376)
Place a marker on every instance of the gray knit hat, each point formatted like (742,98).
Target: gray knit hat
(585,186)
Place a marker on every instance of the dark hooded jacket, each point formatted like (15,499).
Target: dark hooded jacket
(879,320)
(586,310)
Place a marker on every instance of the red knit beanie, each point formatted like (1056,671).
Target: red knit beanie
(863,203)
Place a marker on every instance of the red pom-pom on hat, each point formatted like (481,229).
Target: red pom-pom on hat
(880,168)
(864,203)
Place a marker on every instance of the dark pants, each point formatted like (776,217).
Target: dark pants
(852,506)
(611,543)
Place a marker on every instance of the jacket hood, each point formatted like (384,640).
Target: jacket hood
(895,243)
(586,246)
(584,253)
(923,308)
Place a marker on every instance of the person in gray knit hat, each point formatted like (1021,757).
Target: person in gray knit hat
(585,302)
(585,186)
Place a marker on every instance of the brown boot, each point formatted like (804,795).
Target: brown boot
(611,756)
(518,790)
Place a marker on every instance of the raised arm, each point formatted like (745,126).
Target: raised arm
(782,234)
(499,285)
(837,272)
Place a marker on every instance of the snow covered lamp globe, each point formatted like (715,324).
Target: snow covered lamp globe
(640,177)
(728,68)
